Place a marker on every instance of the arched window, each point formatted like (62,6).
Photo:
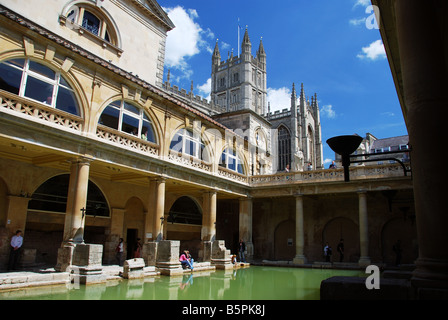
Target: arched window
(123,116)
(93,20)
(28,78)
(231,161)
(284,148)
(51,196)
(188,143)
(185,210)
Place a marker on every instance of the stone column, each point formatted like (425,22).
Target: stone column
(156,208)
(421,35)
(300,233)
(16,213)
(76,201)
(245,226)
(364,259)
(208,231)
(75,213)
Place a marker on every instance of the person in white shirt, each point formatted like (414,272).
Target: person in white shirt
(16,244)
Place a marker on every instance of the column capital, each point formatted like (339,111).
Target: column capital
(161,178)
(81,160)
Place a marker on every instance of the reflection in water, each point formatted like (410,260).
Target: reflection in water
(254,283)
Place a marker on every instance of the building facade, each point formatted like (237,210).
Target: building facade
(94,148)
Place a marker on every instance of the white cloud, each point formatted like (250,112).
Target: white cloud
(279,98)
(205,89)
(327,111)
(357,22)
(363,3)
(185,40)
(374,51)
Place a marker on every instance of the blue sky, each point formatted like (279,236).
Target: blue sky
(332,47)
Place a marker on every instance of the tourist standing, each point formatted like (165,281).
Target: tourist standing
(327,252)
(340,249)
(16,244)
(138,251)
(241,250)
(119,251)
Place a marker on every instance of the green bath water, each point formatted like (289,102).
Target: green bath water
(253,283)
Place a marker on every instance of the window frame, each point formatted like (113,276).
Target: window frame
(142,117)
(107,36)
(231,153)
(55,82)
(188,137)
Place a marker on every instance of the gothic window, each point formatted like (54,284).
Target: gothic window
(123,116)
(28,78)
(188,143)
(231,161)
(235,77)
(284,148)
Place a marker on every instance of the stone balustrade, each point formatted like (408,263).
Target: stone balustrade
(362,172)
(32,110)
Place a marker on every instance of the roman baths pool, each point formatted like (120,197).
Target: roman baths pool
(253,283)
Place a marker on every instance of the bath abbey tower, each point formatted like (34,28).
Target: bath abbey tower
(289,139)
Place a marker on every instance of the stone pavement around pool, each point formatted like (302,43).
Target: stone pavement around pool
(48,276)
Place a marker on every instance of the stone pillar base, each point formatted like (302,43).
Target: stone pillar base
(65,257)
(430,279)
(134,268)
(83,260)
(149,253)
(220,256)
(88,274)
(364,261)
(205,253)
(168,258)
(299,259)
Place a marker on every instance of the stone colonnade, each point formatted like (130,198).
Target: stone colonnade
(75,217)
(300,257)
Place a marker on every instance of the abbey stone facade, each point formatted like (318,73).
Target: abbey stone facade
(95,146)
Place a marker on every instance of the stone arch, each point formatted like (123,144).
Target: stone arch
(184,223)
(399,229)
(46,217)
(342,228)
(285,240)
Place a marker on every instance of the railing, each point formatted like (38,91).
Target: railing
(126,140)
(189,161)
(232,175)
(329,175)
(32,110)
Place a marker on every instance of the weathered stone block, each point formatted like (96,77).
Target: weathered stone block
(133,268)
(168,257)
(87,254)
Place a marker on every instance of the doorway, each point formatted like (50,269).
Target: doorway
(131,242)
